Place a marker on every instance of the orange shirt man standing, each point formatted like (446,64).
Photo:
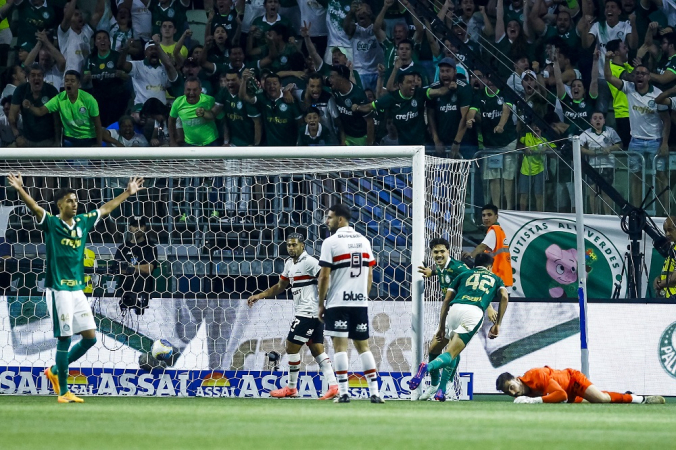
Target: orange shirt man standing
(495,244)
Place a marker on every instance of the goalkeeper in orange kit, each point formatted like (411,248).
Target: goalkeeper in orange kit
(547,385)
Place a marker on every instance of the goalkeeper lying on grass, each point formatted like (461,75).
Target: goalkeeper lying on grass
(547,385)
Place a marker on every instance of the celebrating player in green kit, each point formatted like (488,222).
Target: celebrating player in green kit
(447,269)
(462,313)
(65,239)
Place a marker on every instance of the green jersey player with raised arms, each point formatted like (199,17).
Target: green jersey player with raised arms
(65,239)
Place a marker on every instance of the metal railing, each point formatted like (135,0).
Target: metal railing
(557,195)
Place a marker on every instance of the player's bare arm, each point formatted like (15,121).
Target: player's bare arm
(481,248)
(323,288)
(16,181)
(492,314)
(278,288)
(504,300)
(135,184)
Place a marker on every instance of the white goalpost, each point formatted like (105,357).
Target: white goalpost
(216,220)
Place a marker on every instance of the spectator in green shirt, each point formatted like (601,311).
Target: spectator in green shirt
(403,64)
(277,50)
(194,110)
(172,10)
(78,110)
(37,131)
(399,34)
(218,46)
(34,16)
(242,122)
(406,107)
(108,82)
(493,109)
(261,25)
(225,15)
(280,114)
(532,178)
(191,68)
(355,128)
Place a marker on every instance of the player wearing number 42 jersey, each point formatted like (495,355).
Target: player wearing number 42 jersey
(344,283)
(547,385)
(447,270)
(462,313)
(300,272)
(65,240)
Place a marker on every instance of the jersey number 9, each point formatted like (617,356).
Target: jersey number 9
(355,265)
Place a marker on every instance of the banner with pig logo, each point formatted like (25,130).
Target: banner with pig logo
(544,254)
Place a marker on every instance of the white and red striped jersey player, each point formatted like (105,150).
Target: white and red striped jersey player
(302,276)
(349,256)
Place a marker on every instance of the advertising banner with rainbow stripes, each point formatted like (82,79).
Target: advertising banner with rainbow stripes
(200,383)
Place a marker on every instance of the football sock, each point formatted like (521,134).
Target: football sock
(444,360)
(434,374)
(445,376)
(616,397)
(342,364)
(80,349)
(447,373)
(294,368)
(327,369)
(368,364)
(76,352)
(62,346)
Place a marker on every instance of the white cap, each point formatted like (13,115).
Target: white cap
(528,72)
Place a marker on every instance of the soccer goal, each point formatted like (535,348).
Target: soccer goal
(214,223)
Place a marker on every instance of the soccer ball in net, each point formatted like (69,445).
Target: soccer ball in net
(162,349)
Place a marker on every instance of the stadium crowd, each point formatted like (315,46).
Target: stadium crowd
(336,72)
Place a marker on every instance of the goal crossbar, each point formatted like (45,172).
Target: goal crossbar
(146,153)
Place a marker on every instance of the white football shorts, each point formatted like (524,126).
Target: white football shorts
(70,311)
(464,320)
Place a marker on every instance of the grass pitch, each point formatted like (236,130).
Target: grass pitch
(199,423)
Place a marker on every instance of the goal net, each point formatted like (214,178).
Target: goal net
(210,227)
